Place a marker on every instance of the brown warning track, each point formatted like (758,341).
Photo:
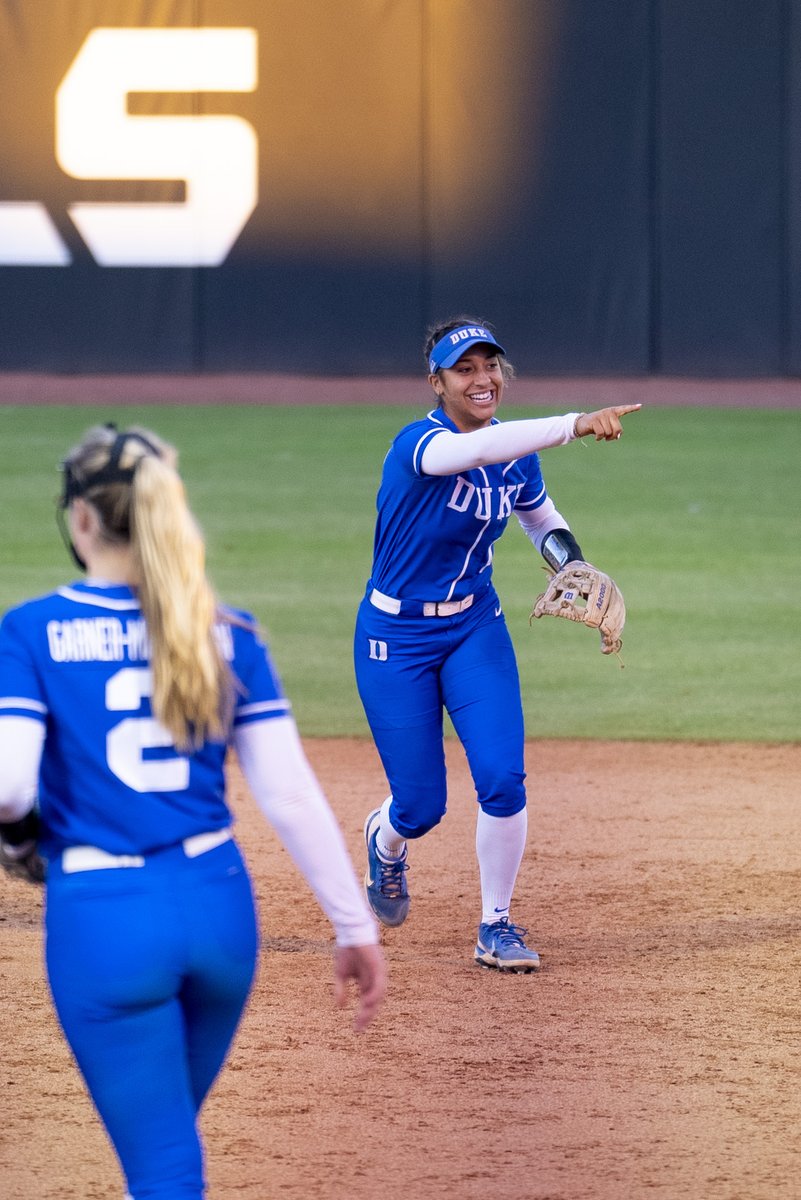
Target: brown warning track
(570,393)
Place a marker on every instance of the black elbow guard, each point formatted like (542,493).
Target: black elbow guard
(559,548)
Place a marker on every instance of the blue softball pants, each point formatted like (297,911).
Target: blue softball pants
(409,670)
(149,969)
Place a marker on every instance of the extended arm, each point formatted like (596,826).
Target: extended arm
(447,452)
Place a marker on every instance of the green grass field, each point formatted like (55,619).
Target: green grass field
(696,513)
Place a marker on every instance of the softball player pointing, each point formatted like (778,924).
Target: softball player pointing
(430,633)
(118,698)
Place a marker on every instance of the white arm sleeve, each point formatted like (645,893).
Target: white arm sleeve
(21,741)
(448,452)
(539,522)
(287,791)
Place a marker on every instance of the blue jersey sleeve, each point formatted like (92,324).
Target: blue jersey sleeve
(260,694)
(409,444)
(21,692)
(533,493)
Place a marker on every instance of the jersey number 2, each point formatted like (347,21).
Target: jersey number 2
(127,741)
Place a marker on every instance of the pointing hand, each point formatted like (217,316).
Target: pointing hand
(605,424)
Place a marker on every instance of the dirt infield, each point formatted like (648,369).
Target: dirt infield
(656,1054)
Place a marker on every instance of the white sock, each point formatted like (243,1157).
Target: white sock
(388,843)
(500,842)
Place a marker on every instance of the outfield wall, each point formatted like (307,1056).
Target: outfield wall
(616,183)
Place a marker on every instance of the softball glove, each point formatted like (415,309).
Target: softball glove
(580,592)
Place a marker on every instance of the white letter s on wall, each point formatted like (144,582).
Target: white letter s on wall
(217,156)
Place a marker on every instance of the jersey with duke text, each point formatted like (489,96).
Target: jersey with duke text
(435,534)
(78,661)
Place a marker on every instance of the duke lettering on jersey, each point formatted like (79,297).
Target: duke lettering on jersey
(465,492)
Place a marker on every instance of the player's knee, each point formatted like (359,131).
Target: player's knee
(418,829)
(504,795)
(414,819)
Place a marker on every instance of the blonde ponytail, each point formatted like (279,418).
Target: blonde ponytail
(192,691)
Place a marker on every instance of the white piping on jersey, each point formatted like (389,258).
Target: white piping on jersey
(469,554)
(467,560)
(22,702)
(250,710)
(421,445)
(429,433)
(535,503)
(98,601)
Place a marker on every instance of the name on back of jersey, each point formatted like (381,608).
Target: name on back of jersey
(111,639)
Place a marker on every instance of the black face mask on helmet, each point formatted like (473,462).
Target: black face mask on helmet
(112,472)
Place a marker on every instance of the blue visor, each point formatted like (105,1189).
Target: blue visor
(450,348)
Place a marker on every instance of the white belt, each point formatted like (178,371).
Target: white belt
(446,608)
(432,608)
(387,604)
(91,858)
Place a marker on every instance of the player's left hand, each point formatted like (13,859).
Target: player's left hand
(580,592)
(605,423)
(367,967)
(22,861)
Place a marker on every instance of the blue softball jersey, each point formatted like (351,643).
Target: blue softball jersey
(435,535)
(78,661)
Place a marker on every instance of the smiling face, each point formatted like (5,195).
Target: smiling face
(471,390)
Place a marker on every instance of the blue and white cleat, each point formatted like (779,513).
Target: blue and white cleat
(500,945)
(384,882)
